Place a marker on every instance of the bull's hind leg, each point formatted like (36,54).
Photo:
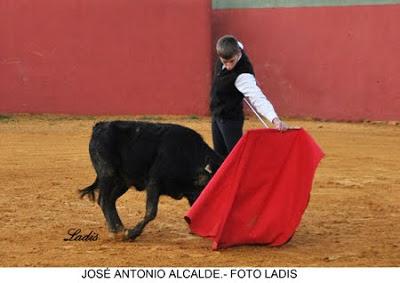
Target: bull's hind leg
(111,189)
(152,198)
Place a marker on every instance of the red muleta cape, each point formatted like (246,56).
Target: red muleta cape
(260,192)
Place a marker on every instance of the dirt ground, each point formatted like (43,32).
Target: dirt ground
(352,218)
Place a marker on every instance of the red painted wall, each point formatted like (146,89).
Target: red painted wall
(105,56)
(326,62)
(153,57)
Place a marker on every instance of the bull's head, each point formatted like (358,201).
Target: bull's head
(207,171)
(204,175)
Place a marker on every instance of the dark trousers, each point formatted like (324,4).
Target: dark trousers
(226,134)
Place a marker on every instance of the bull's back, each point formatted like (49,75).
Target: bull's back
(129,146)
(177,148)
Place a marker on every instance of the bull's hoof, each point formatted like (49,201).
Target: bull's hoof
(130,235)
(117,233)
(127,237)
(117,236)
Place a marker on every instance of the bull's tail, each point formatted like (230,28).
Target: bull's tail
(90,191)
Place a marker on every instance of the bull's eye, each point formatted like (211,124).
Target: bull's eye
(208,168)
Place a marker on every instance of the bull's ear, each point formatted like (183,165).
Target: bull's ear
(208,169)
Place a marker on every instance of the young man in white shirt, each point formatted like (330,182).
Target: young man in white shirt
(233,80)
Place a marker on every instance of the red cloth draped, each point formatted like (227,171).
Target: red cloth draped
(260,192)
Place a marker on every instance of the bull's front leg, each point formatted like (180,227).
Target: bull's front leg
(152,194)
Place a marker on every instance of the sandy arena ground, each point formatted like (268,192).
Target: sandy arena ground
(352,219)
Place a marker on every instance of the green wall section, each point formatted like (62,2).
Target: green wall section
(237,4)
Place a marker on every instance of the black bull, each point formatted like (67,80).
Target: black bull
(163,159)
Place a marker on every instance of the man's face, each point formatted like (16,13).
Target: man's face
(230,63)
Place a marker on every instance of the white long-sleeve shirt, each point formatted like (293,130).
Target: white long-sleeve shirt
(246,84)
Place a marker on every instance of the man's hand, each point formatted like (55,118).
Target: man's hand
(279,125)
